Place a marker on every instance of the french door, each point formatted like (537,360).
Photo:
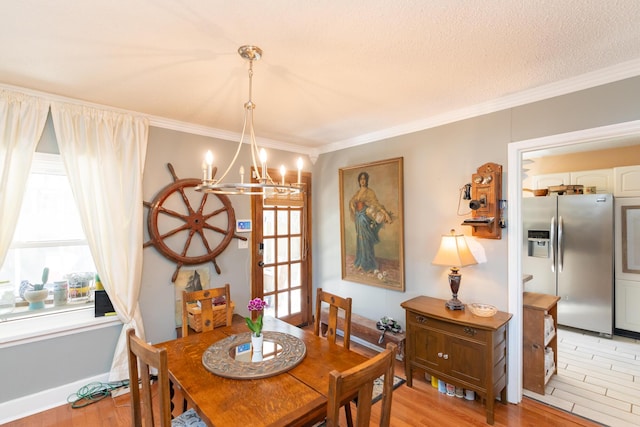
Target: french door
(281,255)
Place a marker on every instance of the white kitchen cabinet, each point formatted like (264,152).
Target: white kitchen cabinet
(602,179)
(627,297)
(626,181)
(547,180)
(627,263)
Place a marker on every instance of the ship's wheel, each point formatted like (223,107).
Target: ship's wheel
(187,235)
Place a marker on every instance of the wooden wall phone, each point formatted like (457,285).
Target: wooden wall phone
(486,191)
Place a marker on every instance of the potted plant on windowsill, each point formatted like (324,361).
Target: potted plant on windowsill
(37,294)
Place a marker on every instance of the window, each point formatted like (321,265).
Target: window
(49,234)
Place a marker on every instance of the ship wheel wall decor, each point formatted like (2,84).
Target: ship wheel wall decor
(189,227)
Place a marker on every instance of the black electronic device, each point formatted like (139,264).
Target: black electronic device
(103,305)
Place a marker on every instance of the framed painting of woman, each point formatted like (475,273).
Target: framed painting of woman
(371,223)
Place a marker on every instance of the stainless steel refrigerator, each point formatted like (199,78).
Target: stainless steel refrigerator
(568,248)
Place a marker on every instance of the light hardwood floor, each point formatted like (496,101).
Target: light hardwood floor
(421,405)
(598,378)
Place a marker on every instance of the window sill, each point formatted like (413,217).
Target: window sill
(30,329)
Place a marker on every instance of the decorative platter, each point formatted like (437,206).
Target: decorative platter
(483,310)
(225,358)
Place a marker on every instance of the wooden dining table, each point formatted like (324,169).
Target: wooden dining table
(297,397)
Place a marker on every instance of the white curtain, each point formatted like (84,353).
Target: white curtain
(22,120)
(104,154)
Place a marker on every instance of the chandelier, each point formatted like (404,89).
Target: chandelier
(263,185)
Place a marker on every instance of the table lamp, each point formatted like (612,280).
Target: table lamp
(454,253)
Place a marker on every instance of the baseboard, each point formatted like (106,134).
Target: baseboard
(44,400)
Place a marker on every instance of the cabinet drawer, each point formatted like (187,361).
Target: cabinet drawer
(469,332)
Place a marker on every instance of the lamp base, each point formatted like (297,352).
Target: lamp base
(454,304)
(454,283)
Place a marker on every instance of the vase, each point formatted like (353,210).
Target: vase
(60,293)
(36,298)
(256,346)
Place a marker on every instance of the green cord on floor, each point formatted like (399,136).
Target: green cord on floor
(94,392)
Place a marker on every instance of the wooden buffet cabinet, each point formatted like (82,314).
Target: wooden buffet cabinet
(457,347)
(537,340)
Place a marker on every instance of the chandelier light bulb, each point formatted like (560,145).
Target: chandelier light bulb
(209,160)
(263,162)
(299,170)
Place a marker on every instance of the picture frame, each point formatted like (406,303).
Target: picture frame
(372,223)
(189,280)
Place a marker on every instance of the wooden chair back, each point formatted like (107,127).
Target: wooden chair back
(335,302)
(206,297)
(141,402)
(359,380)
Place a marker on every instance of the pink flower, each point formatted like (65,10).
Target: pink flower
(256,304)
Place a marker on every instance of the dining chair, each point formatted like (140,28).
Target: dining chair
(205,297)
(360,379)
(335,302)
(148,356)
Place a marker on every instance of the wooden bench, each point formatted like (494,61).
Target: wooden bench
(366,330)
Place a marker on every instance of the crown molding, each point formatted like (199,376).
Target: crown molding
(585,81)
(225,135)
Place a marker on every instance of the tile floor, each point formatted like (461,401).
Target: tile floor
(598,378)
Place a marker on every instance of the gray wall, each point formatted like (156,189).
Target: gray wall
(186,153)
(50,363)
(437,162)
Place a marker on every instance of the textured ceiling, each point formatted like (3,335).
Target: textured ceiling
(334,73)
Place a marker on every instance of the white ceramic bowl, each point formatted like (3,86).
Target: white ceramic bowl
(482,310)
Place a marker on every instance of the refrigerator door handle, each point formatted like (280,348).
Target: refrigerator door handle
(552,243)
(560,244)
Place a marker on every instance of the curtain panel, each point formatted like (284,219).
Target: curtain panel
(22,120)
(104,155)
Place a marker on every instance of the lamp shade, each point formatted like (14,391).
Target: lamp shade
(453,251)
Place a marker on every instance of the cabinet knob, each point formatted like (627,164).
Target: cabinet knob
(469,331)
(446,356)
(421,319)
(440,354)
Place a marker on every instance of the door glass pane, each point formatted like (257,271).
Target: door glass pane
(269,251)
(270,309)
(283,249)
(295,275)
(283,277)
(283,304)
(295,248)
(296,301)
(268,224)
(283,222)
(295,221)
(268,277)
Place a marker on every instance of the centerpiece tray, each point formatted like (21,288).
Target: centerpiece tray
(223,358)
